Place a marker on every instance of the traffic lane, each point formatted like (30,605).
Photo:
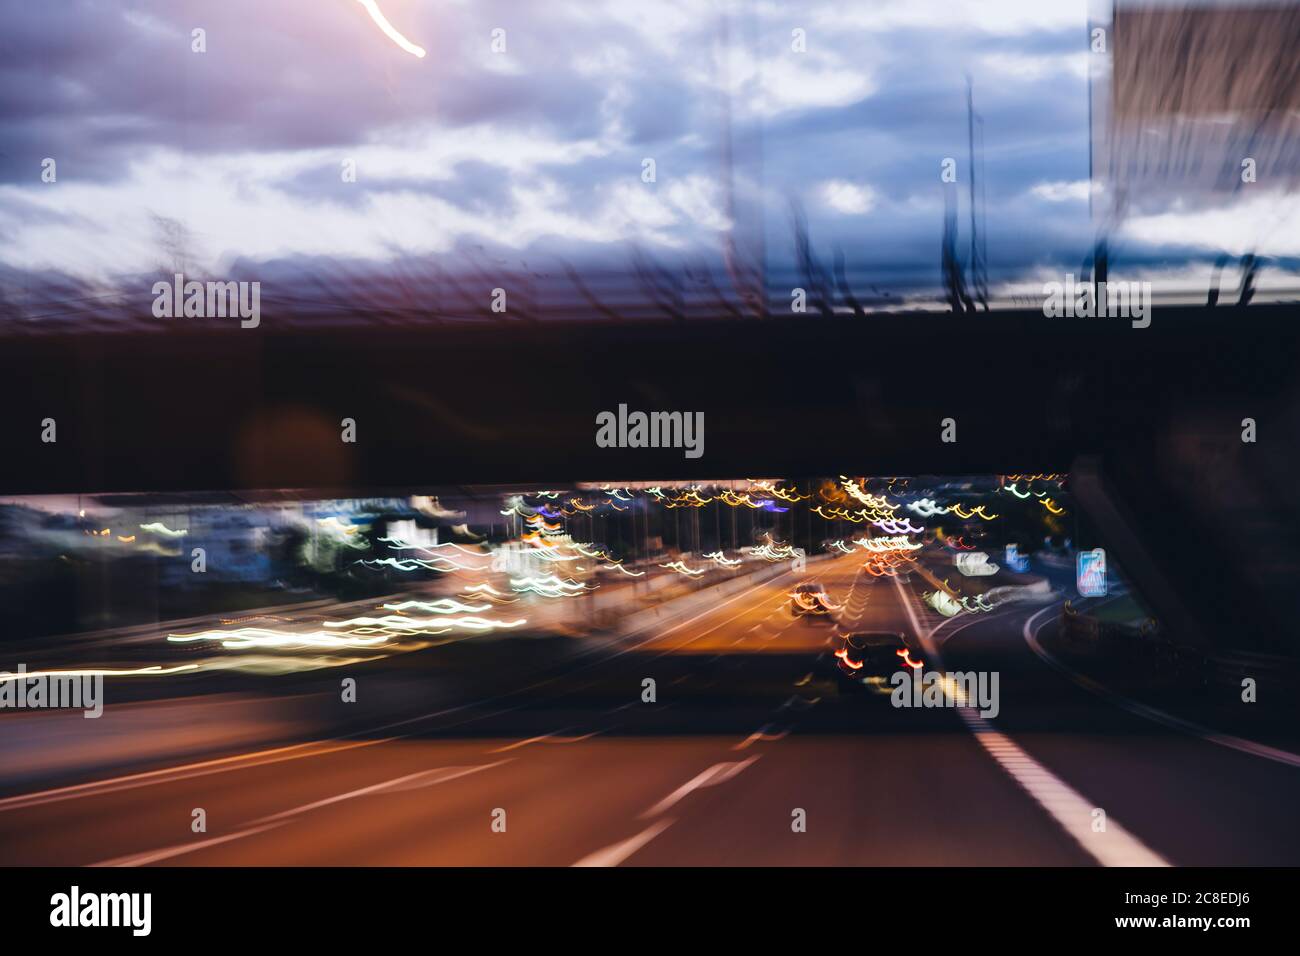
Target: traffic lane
(748,664)
(868,776)
(878,785)
(539,780)
(870,795)
(764,613)
(263,709)
(112,821)
(1193,801)
(239,797)
(363,767)
(46,748)
(126,815)
(528,803)
(766,610)
(65,827)
(108,823)
(877,604)
(571,777)
(60,826)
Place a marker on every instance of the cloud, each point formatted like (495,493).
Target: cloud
(1265,223)
(768,84)
(235,153)
(1062,191)
(996,17)
(238,206)
(1037,66)
(811,81)
(848,198)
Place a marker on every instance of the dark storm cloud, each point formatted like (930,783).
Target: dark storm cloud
(104,87)
(103,80)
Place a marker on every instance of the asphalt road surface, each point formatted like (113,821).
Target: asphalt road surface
(751,753)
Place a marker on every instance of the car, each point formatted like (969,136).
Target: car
(871,657)
(810,598)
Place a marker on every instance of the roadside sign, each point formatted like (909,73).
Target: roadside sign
(1090,576)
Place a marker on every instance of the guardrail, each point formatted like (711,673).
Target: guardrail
(1149,645)
(1145,644)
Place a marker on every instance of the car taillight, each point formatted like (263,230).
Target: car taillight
(906,655)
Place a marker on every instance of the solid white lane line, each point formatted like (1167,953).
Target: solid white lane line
(715,627)
(153,856)
(705,613)
(1252,747)
(763,735)
(1115,846)
(552,738)
(184,772)
(616,854)
(549,739)
(719,773)
(278,754)
(522,743)
(421,778)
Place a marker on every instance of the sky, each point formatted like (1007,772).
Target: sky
(232,161)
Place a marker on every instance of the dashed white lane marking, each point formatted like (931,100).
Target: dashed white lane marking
(616,854)
(315,748)
(552,738)
(184,772)
(706,613)
(719,773)
(769,632)
(412,781)
(1115,846)
(1252,747)
(153,856)
(522,743)
(761,734)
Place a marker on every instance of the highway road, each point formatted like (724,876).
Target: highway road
(751,753)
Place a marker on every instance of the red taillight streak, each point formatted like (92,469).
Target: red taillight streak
(906,655)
